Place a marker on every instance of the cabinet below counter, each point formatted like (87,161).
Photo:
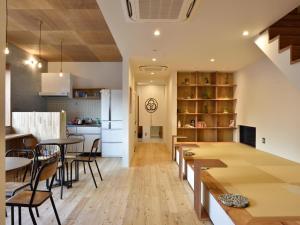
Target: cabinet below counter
(89,132)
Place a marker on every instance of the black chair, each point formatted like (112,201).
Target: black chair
(88,159)
(34,198)
(12,187)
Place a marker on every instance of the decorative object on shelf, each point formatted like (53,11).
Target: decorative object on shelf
(225,111)
(179,124)
(234,200)
(231,123)
(188,153)
(226,79)
(201,124)
(205,94)
(186,81)
(206,80)
(205,107)
(89,93)
(188,126)
(151,105)
(192,123)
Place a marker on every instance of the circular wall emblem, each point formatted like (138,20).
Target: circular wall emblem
(151,105)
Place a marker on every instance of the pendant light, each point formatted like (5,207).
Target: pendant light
(61,73)
(6,51)
(40,65)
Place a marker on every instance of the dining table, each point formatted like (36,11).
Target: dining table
(14,163)
(62,143)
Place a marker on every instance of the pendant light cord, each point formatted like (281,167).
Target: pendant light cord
(6,24)
(61,56)
(40,40)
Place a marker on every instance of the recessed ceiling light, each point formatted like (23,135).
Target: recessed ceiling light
(151,81)
(152,73)
(245,33)
(154,59)
(156,33)
(212,60)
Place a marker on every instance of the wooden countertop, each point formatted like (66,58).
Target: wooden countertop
(271,183)
(14,136)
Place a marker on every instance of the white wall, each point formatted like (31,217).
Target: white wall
(269,102)
(92,74)
(171,109)
(129,123)
(158,118)
(2,93)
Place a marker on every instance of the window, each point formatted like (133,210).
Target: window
(7,97)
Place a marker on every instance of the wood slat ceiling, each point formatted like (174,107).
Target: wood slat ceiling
(79,23)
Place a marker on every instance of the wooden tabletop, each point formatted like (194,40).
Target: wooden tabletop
(14,136)
(12,163)
(61,141)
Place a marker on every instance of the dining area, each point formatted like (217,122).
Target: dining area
(38,167)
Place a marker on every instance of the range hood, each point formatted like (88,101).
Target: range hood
(54,85)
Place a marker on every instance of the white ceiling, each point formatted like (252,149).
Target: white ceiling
(214,30)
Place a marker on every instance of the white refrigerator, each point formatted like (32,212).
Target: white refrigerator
(112,123)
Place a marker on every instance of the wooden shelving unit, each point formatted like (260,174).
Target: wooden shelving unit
(87,93)
(205,106)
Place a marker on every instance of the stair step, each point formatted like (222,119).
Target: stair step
(289,31)
(285,41)
(295,54)
(291,20)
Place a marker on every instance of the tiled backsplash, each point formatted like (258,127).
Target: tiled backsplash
(82,108)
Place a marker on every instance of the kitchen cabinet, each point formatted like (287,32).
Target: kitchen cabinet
(89,133)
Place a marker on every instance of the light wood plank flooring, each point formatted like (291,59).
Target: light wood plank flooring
(149,193)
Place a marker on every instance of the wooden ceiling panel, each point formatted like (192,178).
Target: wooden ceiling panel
(93,19)
(107,53)
(73,4)
(30,19)
(29,4)
(79,23)
(54,37)
(96,37)
(22,37)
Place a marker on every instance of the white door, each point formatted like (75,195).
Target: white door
(105,98)
(116,105)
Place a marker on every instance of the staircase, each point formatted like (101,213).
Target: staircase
(281,43)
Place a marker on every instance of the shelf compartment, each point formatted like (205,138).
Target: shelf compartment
(224,135)
(207,135)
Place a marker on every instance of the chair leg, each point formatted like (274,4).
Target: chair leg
(71,182)
(37,212)
(26,170)
(55,211)
(20,215)
(61,183)
(84,167)
(32,216)
(12,215)
(92,174)
(98,169)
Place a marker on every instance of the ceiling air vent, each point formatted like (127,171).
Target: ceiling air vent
(159,10)
(155,69)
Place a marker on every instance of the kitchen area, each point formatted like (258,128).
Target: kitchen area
(88,99)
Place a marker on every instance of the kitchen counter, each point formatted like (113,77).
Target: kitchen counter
(84,125)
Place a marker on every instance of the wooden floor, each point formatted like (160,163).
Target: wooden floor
(149,192)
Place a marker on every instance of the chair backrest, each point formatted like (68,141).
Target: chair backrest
(47,171)
(94,148)
(76,148)
(30,142)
